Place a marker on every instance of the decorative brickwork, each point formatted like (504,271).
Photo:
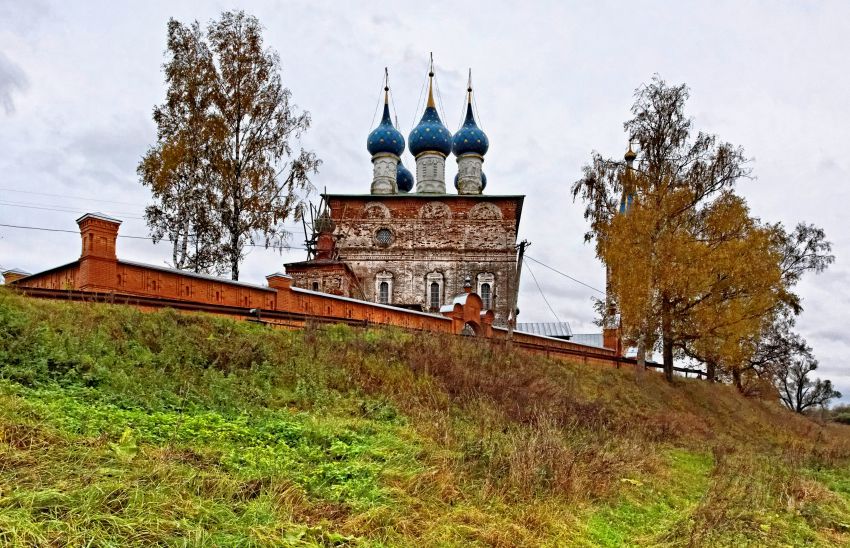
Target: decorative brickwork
(420,240)
(100,276)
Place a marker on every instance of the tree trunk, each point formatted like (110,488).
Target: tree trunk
(641,358)
(235,223)
(736,378)
(667,340)
(711,371)
(234,254)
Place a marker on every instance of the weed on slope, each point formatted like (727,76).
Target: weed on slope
(119,427)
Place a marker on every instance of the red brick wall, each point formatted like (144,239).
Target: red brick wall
(99,271)
(56,278)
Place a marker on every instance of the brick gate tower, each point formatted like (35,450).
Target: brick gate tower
(416,249)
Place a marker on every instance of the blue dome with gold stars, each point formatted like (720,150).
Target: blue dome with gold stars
(385,137)
(430,134)
(403,178)
(470,138)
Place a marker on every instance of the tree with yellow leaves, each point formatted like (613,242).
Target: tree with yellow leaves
(690,269)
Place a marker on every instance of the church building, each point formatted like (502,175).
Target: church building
(410,243)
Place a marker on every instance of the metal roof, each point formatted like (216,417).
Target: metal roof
(547,329)
(99,215)
(588,339)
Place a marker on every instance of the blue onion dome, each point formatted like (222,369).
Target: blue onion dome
(430,134)
(470,138)
(385,137)
(403,178)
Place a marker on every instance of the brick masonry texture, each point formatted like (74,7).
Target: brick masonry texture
(101,275)
(432,238)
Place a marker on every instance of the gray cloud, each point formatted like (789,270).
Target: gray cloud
(12,80)
(553,82)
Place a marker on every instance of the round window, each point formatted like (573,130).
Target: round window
(384,237)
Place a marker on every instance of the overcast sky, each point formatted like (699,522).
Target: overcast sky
(554,81)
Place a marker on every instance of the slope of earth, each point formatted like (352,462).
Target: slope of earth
(123,428)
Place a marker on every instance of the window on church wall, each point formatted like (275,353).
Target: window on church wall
(486,283)
(434,290)
(384,287)
(384,237)
(315,286)
(435,295)
(485,296)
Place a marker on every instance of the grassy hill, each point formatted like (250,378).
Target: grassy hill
(124,428)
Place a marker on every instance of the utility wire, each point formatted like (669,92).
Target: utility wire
(44,229)
(60,209)
(540,289)
(565,275)
(29,205)
(67,197)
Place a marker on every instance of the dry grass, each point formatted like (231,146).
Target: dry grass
(242,435)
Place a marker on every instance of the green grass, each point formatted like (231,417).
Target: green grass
(648,507)
(122,428)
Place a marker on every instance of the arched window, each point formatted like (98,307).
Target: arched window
(384,287)
(485,296)
(486,284)
(315,286)
(435,295)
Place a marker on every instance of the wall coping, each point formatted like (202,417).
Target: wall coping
(370,303)
(49,270)
(98,215)
(207,277)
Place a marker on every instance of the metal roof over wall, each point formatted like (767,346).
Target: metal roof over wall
(589,339)
(547,329)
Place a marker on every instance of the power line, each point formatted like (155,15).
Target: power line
(66,196)
(63,209)
(45,229)
(123,215)
(60,209)
(540,289)
(565,275)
